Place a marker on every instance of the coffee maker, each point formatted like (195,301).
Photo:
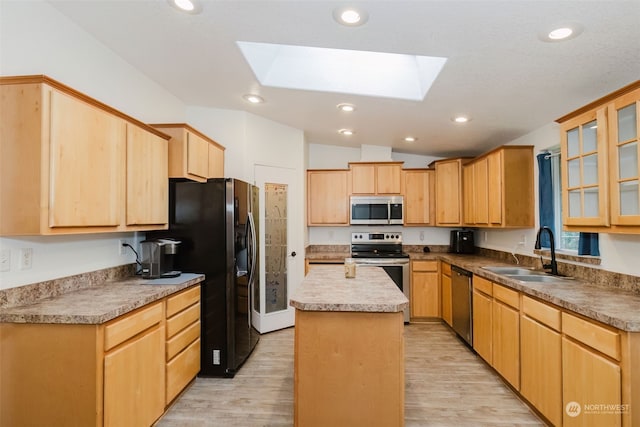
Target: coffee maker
(157,258)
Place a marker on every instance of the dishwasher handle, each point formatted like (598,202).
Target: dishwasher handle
(461,271)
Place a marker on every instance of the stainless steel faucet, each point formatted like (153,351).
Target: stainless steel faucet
(553,266)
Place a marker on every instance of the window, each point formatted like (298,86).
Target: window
(567,240)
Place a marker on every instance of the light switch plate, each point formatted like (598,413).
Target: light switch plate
(5,260)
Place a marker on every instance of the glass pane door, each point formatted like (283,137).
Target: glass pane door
(276,246)
(626,181)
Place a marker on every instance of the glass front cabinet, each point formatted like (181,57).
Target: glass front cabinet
(600,158)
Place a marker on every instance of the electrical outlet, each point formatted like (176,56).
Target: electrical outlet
(523,239)
(5,260)
(122,249)
(485,236)
(421,235)
(26,258)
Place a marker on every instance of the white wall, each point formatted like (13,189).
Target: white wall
(618,253)
(36,39)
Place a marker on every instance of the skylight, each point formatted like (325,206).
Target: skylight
(387,75)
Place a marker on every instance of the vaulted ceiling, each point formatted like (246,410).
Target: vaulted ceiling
(499,70)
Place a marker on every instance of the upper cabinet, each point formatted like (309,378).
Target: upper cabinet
(419,199)
(376,178)
(328,197)
(192,154)
(498,188)
(70,164)
(449,192)
(600,158)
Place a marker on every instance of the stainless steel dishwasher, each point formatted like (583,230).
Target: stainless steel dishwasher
(461,294)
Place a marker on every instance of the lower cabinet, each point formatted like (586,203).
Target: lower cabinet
(112,374)
(483,318)
(425,289)
(591,374)
(541,358)
(445,285)
(506,334)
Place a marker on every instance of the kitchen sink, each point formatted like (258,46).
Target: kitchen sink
(510,271)
(538,278)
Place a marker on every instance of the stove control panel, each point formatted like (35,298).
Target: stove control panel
(369,237)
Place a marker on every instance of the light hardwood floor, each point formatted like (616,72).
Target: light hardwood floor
(446,385)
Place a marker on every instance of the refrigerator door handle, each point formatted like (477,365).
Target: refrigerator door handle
(254,250)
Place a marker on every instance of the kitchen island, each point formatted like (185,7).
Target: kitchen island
(349,349)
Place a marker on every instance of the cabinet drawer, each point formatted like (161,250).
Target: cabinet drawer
(182,300)
(602,339)
(424,265)
(446,268)
(182,369)
(182,320)
(543,313)
(483,285)
(507,296)
(179,342)
(122,329)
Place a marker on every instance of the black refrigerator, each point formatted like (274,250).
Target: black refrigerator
(216,223)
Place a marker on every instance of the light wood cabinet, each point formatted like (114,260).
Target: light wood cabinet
(147,186)
(541,358)
(506,334)
(483,318)
(600,157)
(192,154)
(328,197)
(381,178)
(445,285)
(449,192)
(319,263)
(183,341)
(70,154)
(112,374)
(419,196)
(498,188)
(425,289)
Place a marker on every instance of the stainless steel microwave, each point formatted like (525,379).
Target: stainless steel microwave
(377,210)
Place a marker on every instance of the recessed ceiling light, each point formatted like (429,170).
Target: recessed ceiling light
(560,32)
(348,108)
(346,132)
(410,139)
(254,99)
(189,6)
(461,119)
(350,16)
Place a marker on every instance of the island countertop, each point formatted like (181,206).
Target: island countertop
(326,289)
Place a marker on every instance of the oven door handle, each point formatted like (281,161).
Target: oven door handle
(381,262)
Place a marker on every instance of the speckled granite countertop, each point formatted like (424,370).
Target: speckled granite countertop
(98,304)
(327,289)
(613,306)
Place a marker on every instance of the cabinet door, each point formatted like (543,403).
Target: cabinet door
(482,325)
(541,368)
(624,125)
(197,155)
(418,197)
(147,177)
(328,197)
(425,294)
(216,161)
(134,378)
(506,342)
(363,179)
(589,379)
(481,191)
(447,312)
(584,166)
(468,195)
(388,179)
(495,187)
(448,193)
(86,164)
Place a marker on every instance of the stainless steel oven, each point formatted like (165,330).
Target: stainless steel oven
(384,250)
